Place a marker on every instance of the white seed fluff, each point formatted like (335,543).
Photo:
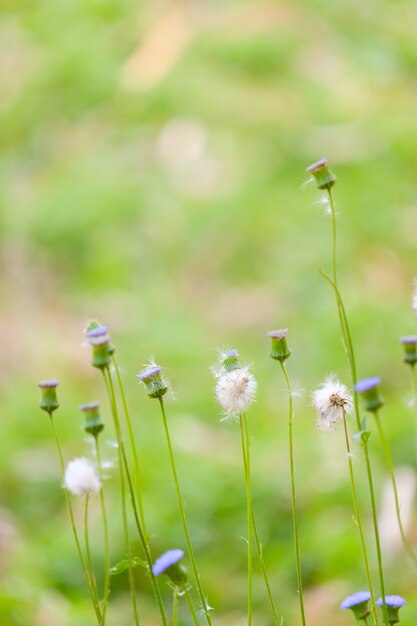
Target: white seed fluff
(331,400)
(414,300)
(81,478)
(235,391)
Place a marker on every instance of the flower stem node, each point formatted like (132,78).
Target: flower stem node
(409,343)
(49,401)
(156,386)
(169,564)
(358,603)
(393,604)
(93,422)
(369,390)
(279,348)
(325,179)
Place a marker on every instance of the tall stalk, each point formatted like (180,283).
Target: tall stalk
(244,434)
(124,463)
(388,460)
(93,595)
(247,469)
(293,493)
(359,522)
(352,363)
(182,515)
(106,588)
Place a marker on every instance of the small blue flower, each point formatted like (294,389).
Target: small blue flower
(409,339)
(231,353)
(149,372)
(396,602)
(367,384)
(356,598)
(97,332)
(393,604)
(166,560)
(358,602)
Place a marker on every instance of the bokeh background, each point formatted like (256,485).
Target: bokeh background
(153,158)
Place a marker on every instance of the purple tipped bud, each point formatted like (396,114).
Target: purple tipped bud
(168,563)
(393,604)
(93,421)
(97,331)
(230,360)
(279,348)
(369,390)
(325,179)
(409,343)
(155,385)
(49,401)
(358,602)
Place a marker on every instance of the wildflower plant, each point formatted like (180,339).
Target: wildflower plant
(336,405)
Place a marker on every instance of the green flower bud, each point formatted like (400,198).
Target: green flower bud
(409,344)
(49,401)
(279,348)
(93,422)
(156,386)
(325,179)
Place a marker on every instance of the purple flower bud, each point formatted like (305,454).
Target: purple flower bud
(230,360)
(49,401)
(369,390)
(151,377)
(358,602)
(409,343)
(325,179)
(93,421)
(168,563)
(393,604)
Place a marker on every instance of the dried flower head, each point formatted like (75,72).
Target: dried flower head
(81,478)
(236,386)
(331,400)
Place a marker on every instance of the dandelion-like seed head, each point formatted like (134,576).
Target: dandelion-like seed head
(358,602)
(235,391)
(156,385)
(81,478)
(49,401)
(331,400)
(169,564)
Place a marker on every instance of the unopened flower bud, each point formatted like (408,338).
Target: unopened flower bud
(99,340)
(156,386)
(409,344)
(93,422)
(325,179)
(279,348)
(358,603)
(49,401)
(230,360)
(95,329)
(169,564)
(393,604)
(369,390)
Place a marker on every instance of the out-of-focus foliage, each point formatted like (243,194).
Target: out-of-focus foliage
(152,162)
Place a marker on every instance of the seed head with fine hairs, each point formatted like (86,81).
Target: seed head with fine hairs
(81,477)
(236,386)
(331,400)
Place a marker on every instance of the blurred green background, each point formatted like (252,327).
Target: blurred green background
(152,162)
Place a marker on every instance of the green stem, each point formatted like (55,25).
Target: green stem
(359,522)
(388,461)
(246,465)
(414,388)
(87,546)
(347,337)
(191,607)
(183,518)
(175,608)
(128,549)
(124,462)
(74,529)
(256,534)
(138,473)
(293,496)
(106,589)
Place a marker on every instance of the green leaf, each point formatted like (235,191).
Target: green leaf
(362,436)
(124,564)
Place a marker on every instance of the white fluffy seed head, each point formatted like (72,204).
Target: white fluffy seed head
(331,400)
(81,478)
(414,300)
(235,391)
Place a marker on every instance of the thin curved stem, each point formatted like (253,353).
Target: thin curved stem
(293,493)
(347,337)
(388,460)
(414,388)
(94,598)
(138,473)
(106,587)
(256,534)
(182,515)
(359,522)
(246,465)
(191,607)
(128,549)
(87,546)
(124,462)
